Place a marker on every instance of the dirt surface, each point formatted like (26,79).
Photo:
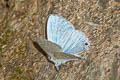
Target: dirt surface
(24,20)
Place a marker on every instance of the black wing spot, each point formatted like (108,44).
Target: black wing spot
(86,44)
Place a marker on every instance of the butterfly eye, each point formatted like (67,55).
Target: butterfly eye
(86,44)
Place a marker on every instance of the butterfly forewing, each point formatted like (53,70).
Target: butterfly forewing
(58,29)
(54,49)
(61,32)
(48,46)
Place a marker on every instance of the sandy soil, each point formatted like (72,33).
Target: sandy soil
(22,21)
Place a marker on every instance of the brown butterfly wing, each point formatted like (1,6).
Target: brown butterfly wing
(53,50)
(48,46)
(61,55)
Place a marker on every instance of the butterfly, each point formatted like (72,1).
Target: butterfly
(64,42)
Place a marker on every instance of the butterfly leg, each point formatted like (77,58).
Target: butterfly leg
(81,57)
(57,66)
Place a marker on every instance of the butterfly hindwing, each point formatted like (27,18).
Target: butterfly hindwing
(76,43)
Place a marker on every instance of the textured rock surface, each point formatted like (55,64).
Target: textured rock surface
(23,20)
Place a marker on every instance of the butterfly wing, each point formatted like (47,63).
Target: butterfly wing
(77,43)
(48,46)
(59,30)
(54,52)
(62,58)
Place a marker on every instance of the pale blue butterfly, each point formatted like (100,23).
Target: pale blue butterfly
(64,42)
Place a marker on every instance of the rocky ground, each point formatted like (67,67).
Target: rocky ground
(24,20)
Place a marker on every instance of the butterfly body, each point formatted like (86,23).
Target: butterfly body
(64,42)
(54,52)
